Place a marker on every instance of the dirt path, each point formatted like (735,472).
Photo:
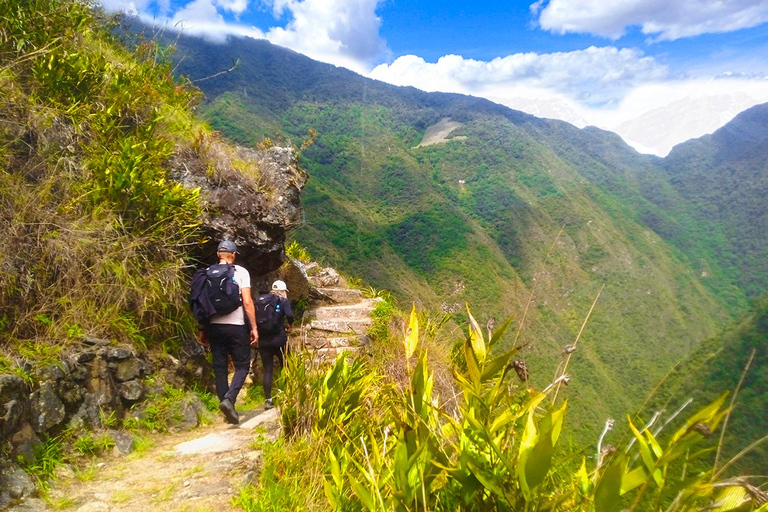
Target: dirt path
(195,471)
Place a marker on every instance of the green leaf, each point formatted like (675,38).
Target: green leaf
(645,453)
(412,334)
(582,477)
(539,459)
(731,498)
(499,332)
(495,365)
(608,490)
(476,339)
(335,468)
(488,479)
(707,415)
(633,479)
(527,443)
(473,367)
(363,495)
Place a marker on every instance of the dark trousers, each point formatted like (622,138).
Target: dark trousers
(268,355)
(232,341)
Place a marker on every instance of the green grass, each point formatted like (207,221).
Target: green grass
(379,441)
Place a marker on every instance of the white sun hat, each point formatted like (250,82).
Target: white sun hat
(279,286)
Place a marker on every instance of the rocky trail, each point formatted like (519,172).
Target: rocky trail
(194,471)
(203,469)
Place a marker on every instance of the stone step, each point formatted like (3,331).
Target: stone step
(340,295)
(357,311)
(331,353)
(331,342)
(340,326)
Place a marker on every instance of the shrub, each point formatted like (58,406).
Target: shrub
(398,449)
(93,228)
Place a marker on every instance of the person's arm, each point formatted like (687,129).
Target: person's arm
(288,314)
(250,311)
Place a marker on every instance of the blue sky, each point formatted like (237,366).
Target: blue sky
(601,62)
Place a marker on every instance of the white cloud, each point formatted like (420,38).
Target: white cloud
(341,32)
(665,19)
(595,76)
(234,6)
(635,99)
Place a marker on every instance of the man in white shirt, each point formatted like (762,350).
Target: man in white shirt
(229,335)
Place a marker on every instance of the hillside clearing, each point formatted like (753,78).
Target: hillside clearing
(438,133)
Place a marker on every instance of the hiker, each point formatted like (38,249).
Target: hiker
(274,309)
(231,334)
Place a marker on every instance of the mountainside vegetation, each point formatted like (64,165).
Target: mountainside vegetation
(736,360)
(96,235)
(725,176)
(92,229)
(513,214)
(392,439)
(544,229)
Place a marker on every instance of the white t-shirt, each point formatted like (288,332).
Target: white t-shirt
(237,317)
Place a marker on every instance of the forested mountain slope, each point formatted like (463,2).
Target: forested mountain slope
(725,176)
(718,365)
(507,207)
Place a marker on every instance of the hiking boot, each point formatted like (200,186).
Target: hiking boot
(230,414)
(268,404)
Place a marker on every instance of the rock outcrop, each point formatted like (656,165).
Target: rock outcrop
(251,197)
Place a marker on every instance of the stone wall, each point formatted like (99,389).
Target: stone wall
(93,388)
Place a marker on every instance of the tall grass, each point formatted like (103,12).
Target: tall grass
(93,231)
(390,447)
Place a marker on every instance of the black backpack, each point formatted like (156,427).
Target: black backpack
(269,314)
(213,291)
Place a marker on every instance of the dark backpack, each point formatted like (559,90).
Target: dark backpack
(213,291)
(269,314)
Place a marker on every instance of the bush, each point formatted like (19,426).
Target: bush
(94,229)
(399,449)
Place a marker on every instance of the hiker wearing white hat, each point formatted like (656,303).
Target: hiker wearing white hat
(274,317)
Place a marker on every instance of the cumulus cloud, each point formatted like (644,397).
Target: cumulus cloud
(341,32)
(595,76)
(338,31)
(662,19)
(618,90)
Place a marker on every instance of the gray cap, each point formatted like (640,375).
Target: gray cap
(227,246)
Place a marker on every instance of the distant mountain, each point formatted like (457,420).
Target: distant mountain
(658,131)
(507,207)
(725,177)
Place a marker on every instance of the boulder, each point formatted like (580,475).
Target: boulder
(327,278)
(187,413)
(117,354)
(70,393)
(47,408)
(131,391)
(294,276)
(15,484)
(100,383)
(88,415)
(194,367)
(12,398)
(254,209)
(123,442)
(23,443)
(130,369)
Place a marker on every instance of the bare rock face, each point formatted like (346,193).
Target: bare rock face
(251,197)
(294,276)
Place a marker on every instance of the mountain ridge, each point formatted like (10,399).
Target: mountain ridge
(519,208)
